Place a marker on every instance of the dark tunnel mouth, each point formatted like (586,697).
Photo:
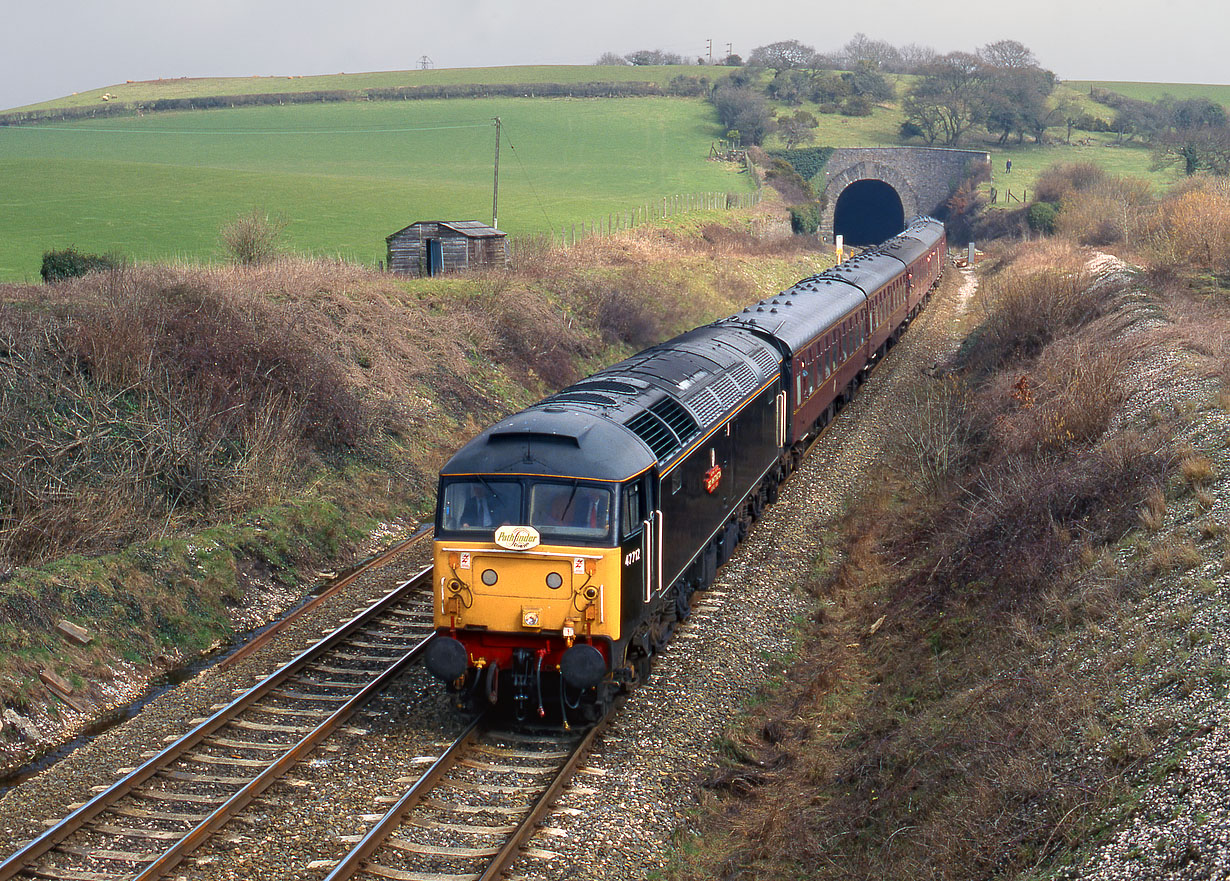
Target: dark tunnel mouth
(868,212)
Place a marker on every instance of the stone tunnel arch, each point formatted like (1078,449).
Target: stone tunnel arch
(873,187)
(922,178)
(868,212)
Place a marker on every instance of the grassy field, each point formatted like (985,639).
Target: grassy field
(1153,91)
(198,87)
(343,175)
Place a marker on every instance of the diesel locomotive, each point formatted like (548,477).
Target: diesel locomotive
(570,537)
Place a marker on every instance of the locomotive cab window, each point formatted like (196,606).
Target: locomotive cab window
(570,510)
(480,505)
(633,510)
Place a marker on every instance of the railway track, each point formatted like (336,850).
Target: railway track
(147,822)
(473,811)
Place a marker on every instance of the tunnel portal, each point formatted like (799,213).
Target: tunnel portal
(868,212)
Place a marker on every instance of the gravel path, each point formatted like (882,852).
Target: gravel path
(618,818)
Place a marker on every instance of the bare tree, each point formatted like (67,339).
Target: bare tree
(799,128)
(1008,54)
(949,97)
(915,57)
(613,59)
(782,55)
(881,54)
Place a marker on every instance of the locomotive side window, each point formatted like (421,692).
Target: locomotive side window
(570,510)
(633,514)
(481,505)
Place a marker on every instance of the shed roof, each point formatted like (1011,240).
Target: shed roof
(472,229)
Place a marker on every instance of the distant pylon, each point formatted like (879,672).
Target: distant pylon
(425,63)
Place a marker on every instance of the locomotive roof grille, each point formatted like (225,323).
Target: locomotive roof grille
(656,434)
(679,419)
(765,359)
(583,397)
(707,406)
(606,385)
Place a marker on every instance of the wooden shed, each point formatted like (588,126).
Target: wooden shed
(430,247)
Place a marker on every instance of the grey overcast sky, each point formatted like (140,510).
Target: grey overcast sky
(50,48)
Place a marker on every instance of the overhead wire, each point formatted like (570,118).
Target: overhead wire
(528,180)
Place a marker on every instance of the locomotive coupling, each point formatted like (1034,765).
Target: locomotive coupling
(446,659)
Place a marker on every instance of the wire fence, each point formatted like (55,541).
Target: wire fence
(617,221)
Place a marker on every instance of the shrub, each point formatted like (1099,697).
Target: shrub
(1195,226)
(805,218)
(1062,179)
(781,175)
(254,237)
(1113,210)
(1041,217)
(1024,309)
(856,105)
(71,263)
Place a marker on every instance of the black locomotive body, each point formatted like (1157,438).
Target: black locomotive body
(570,536)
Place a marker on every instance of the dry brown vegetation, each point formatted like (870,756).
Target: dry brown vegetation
(1187,228)
(153,393)
(940,747)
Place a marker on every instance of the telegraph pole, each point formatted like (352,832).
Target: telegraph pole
(495,194)
(709,48)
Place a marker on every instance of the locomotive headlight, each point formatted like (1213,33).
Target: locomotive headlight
(490,577)
(554,580)
(591,593)
(454,585)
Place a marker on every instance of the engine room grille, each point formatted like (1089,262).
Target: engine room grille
(579,397)
(680,420)
(765,359)
(707,406)
(744,377)
(655,433)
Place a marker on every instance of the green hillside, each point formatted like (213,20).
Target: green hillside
(1153,91)
(344,175)
(145,91)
